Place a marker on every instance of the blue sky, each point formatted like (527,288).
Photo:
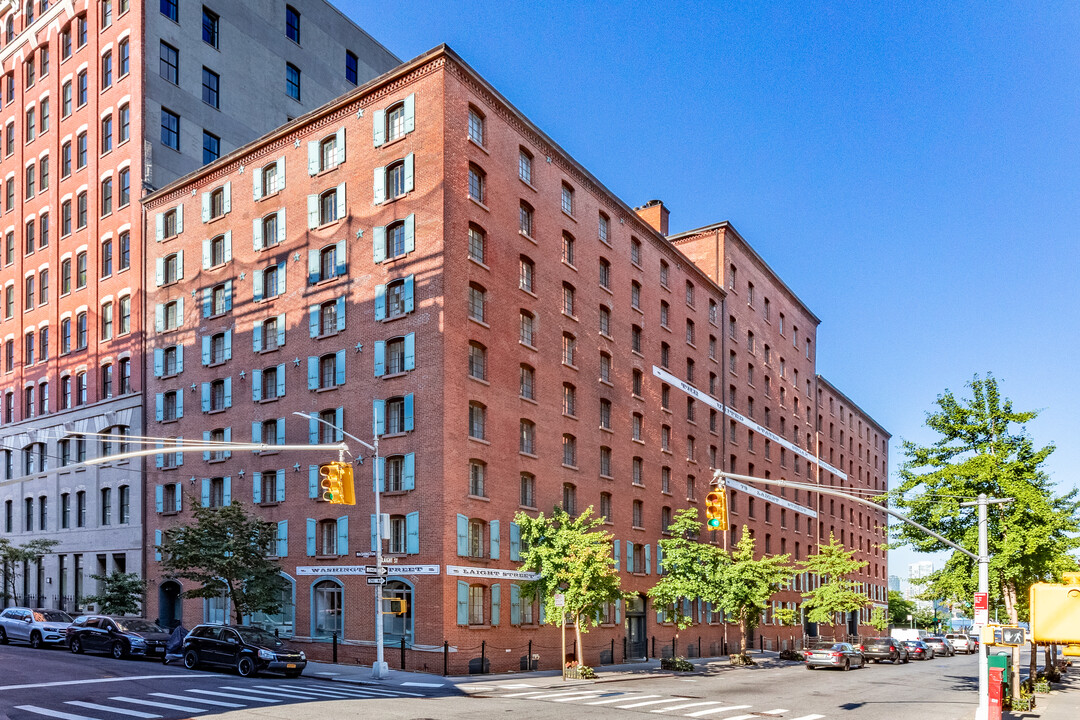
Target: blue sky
(912,172)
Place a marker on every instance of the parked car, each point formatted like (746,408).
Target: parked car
(37,626)
(962,642)
(941,646)
(919,650)
(885,648)
(250,650)
(120,636)
(908,634)
(841,655)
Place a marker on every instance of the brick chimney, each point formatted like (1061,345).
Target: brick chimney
(654,213)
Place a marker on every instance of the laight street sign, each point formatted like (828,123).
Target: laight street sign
(982,608)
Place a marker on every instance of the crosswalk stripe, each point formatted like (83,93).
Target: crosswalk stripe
(390,692)
(151,703)
(810,717)
(234,696)
(420,684)
(564,693)
(110,708)
(201,701)
(710,711)
(329,692)
(621,699)
(312,694)
(523,694)
(52,713)
(687,705)
(595,693)
(647,702)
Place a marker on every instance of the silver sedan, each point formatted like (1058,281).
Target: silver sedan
(838,655)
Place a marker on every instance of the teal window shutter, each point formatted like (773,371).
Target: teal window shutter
(282,538)
(206,257)
(179,457)
(312,372)
(410,113)
(207,304)
(410,233)
(410,287)
(313,266)
(256,385)
(256,487)
(178,493)
(496,603)
(380,358)
(374,533)
(378,127)
(281,278)
(493,528)
(313,481)
(257,285)
(629,556)
(179,404)
(378,184)
(339,305)
(462,535)
(378,244)
(343,535)
(159,402)
(618,611)
(412,533)
(410,351)
(228,258)
(408,412)
(659,559)
(206,350)
(159,362)
(408,474)
(205,397)
(409,167)
(339,424)
(379,416)
(313,157)
(157,544)
(340,254)
(228,439)
(226,491)
(159,498)
(281,393)
(462,602)
(313,432)
(228,392)
(313,321)
(380,302)
(279,485)
(256,431)
(256,234)
(180,355)
(339,368)
(648,558)
(541,612)
(515,604)
(256,336)
(206,438)
(379,475)
(281,329)
(617,558)
(311,526)
(515,542)
(312,211)
(159,317)
(206,492)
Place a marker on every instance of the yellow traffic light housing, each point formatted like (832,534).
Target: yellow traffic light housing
(402,606)
(716,517)
(1055,611)
(337,483)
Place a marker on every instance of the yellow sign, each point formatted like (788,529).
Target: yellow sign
(1055,611)
(716,509)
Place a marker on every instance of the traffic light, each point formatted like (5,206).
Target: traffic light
(716,509)
(337,483)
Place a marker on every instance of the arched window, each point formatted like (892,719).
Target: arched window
(395,180)
(327,609)
(395,239)
(477,183)
(283,622)
(397,627)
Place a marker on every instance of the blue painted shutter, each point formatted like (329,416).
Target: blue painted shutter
(257,284)
(313,266)
(256,385)
(281,329)
(339,368)
(629,556)
(410,113)
(281,278)
(648,558)
(408,475)
(379,416)
(206,438)
(159,498)
(256,432)
(410,351)
(618,611)
(281,391)
(313,481)
(617,558)
(157,544)
(343,535)
(159,362)
(515,542)
(496,603)
(659,559)
(380,358)
(340,256)
(228,392)
(339,424)
(380,302)
(180,359)
(515,604)
(313,321)
(180,404)
(311,527)
(378,127)
(410,233)
(282,538)
(408,412)
(339,305)
(206,492)
(409,172)
(378,243)
(462,602)
(312,211)
(462,535)
(412,533)
(207,304)
(256,336)
(228,346)
(279,485)
(410,286)
(206,350)
(313,432)
(205,397)
(379,185)
(159,405)
(226,495)
(256,487)
(256,234)
(493,528)
(312,373)
(179,497)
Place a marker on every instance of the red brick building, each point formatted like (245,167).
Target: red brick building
(417,259)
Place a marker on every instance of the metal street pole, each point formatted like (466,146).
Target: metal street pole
(379,669)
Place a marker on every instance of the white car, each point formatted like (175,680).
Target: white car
(962,642)
(38,626)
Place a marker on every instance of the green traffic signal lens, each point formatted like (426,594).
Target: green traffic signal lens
(714,522)
(328,496)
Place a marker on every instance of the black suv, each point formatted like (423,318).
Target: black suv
(885,648)
(119,636)
(250,650)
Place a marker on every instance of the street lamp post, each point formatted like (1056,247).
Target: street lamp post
(379,669)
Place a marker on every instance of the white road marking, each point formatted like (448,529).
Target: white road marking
(326,673)
(341,687)
(515,686)
(416,684)
(201,701)
(151,703)
(621,699)
(810,717)
(577,696)
(313,694)
(710,711)
(62,683)
(52,713)
(564,693)
(647,702)
(523,694)
(109,708)
(688,705)
(235,696)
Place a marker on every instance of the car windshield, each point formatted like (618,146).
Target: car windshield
(255,636)
(51,616)
(879,642)
(821,645)
(137,625)
(912,643)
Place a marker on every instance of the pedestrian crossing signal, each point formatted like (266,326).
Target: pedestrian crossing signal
(716,509)
(337,483)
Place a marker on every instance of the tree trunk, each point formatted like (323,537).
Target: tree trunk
(1033,663)
(578,646)
(1008,591)
(1049,653)
(745,632)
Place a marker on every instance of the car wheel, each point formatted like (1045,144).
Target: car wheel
(809,667)
(862,663)
(3,637)
(847,664)
(75,645)
(245,666)
(35,640)
(191,660)
(119,650)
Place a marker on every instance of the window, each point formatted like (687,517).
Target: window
(569,400)
(352,62)
(210,27)
(168,64)
(569,446)
(639,512)
(477,361)
(528,490)
(526,215)
(125,123)
(527,324)
(395,122)
(106,197)
(605,274)
(569,347)
(81,331)
(80,389)
(635,294)
(328,207)
(635,339)
(605,321)
(527,437)
(477,178)
(106,134)
(107,321)
(81,212)
(476,126)
(477,298)
(30,124)
(292,24)
(663,313)
(527,382)
(567,199)
(525,165)
(292,81)
(568,249)
(476,545)
(477,421)
(124,319)
(81,81)
(170,9)
(605,417)
(170,129)
(569,502)
(568,299)
(106,70)
(476,243)
(605,367)
(397,296)
(476,478)
(211,88)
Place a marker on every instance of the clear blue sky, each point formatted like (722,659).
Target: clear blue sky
(911,172)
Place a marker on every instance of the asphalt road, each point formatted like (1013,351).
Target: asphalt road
(57,684)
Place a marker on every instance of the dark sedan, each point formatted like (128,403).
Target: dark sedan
(838,655)
(248,649)
(919,650)
(121,637)
(884,648)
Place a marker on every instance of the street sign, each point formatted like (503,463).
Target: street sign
(1012,636)
(376,581)
(560,600)
(374,570)
(982,608)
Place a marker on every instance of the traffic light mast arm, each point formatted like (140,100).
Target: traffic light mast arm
(209,447)
(720,475)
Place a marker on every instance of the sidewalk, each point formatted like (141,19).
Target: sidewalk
(1063,702)
(361,674)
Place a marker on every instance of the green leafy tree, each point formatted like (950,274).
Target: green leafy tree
(747,584)
(879,619)
(691,567)
(899,609)
(983,447)
(13,556)
(224,552)
(836,592)
(574,559)
(119,593)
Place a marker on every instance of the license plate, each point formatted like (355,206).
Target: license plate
(290,665)
(155,649)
